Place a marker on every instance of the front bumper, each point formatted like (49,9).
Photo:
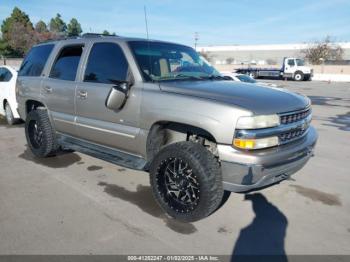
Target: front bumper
(308,76)
(248,170)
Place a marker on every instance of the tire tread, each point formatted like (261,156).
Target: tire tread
(202,160)
(49,146)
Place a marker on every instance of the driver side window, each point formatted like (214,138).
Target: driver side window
(291,62)
(106,64)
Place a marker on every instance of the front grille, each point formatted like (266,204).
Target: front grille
(290,118)
(291,135)
(293,126)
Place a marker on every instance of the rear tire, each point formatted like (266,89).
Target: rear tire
(9,115)
(40,134)
(186,181)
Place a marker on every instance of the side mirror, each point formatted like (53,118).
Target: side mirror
(117,96)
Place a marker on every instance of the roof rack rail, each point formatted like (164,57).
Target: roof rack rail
(88,35)
(46,41)
(59,39)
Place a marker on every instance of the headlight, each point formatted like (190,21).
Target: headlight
(255,122)
(255,143)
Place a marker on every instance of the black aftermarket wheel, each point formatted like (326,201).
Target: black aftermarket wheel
(40,134)
(186,181)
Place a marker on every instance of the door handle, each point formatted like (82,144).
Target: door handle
(48,89)
(82,94)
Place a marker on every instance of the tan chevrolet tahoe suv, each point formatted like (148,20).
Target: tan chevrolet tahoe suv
(162,108)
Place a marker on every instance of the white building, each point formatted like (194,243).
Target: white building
(258,54)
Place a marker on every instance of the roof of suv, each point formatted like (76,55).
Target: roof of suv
(89,36)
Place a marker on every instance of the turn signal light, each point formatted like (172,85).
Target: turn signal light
(255,143)
(244,143)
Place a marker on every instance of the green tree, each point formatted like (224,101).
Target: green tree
(17,34)
(5,49)
(17,16)
(74,28)
(57,25)
(41,27)
(21,39)
(43,34)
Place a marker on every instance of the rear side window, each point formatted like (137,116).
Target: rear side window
(35,61)
(8,75)
(2,75)
(66,64)
(107,64)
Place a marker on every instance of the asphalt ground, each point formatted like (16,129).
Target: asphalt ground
(76,204)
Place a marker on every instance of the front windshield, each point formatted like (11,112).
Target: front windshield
(300,62)
(164,61)
(245,78)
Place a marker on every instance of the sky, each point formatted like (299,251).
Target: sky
(218,22)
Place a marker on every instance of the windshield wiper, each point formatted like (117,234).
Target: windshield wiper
(178,77)
(187,76)
(192,77)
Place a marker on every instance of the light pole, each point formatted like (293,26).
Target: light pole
(196,38)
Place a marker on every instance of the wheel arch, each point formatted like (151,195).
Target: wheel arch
(4,102)
(31,105)
(163,133)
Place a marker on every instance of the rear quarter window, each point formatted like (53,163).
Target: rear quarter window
(8,76)
(35,61)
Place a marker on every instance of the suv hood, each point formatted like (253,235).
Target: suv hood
(258,99)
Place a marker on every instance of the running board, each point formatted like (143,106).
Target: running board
(101,152)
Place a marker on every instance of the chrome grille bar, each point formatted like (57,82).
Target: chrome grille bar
(292,117)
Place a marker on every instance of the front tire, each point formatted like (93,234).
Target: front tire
(186,181)
(253,74)
(298,76)
(40,134)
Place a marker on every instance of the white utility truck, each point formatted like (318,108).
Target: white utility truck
(292,68)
